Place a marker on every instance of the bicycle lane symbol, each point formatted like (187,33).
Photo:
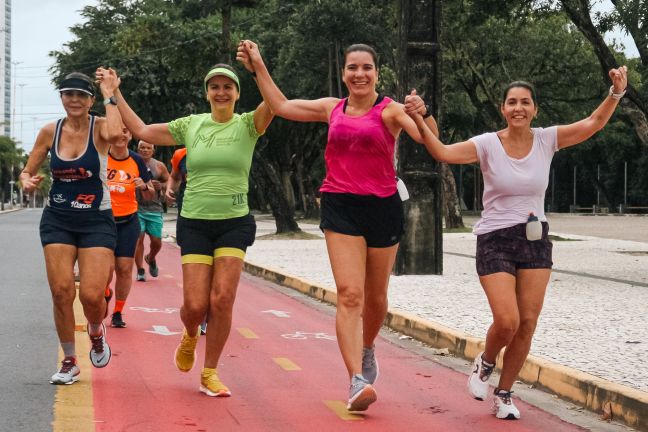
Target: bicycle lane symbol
(154,310)
(300,335)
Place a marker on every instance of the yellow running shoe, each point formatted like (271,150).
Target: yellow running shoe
(185,354)
(211,385)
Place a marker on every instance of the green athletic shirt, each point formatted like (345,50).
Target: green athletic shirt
(219,156)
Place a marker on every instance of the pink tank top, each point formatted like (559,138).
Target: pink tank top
(359,154)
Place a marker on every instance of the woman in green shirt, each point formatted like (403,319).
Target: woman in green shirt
(215,226)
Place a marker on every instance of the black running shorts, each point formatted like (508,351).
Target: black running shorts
(508,250)
(379,220)
(80,229)
(202,240)
(128,231)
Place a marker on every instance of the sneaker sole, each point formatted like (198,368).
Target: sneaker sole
(362,401)
(100,365)
(221,393)
(509,417)
(118,325)
(74,379)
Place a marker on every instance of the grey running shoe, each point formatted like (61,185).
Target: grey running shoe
(68,374)
(153,268)
(478,379)
(117,320)
(503,406)
(141,275)
(361,394)
(99,350)
(369,364)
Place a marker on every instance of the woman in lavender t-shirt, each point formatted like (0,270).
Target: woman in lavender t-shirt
(513,269)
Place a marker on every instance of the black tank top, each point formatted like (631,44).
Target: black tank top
(78,184)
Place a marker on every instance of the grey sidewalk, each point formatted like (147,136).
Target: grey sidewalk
(594,314)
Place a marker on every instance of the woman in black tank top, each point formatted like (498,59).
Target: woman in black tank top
(77,222)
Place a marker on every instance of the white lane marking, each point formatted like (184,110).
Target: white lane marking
(162,330)
(279,314)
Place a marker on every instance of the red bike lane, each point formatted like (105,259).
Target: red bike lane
(283,367)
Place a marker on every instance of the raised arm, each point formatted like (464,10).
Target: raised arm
(29,177)
(575,133)
(156,133)
(460,153)
(110,128)
(291,109)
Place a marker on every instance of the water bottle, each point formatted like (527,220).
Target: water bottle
(533,228)
(402,189)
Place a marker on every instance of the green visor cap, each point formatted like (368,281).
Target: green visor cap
(224,72)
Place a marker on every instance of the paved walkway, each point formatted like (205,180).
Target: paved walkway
(594,314)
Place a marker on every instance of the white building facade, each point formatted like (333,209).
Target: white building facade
(5,68)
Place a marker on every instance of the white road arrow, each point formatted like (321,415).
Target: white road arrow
(162,330)
(280,314)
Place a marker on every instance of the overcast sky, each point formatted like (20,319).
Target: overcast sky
(41,26)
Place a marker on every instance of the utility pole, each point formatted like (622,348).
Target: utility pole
(421,249)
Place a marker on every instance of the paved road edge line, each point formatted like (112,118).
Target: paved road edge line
(74,404)
(628,405)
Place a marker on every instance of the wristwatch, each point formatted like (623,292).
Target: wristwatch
(428,111)
(110,101)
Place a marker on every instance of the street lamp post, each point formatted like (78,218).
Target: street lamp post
(21,111)
(13,100)
(11,192)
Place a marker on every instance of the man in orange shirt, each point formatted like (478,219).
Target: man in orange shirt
(127,173)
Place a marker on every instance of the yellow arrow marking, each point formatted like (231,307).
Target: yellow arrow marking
(339,408)
(286,364)
(247,333)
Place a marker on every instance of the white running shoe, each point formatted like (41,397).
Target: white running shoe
(68,374)
(478,379)
(99,349)
(503,406)
(361,394)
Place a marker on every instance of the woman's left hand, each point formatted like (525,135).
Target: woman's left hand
(619,78)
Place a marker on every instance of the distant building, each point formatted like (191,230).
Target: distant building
(5,67)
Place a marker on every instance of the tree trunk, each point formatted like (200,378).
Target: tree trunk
(451,203)
(268,176)
(421,248)
(226,11)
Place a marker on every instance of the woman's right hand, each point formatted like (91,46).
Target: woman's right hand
(108,80)
(30,183)
(170,196)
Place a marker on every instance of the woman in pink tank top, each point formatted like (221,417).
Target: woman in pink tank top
(362,215)
(513,253)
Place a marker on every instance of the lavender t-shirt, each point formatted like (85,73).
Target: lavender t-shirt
(513,188)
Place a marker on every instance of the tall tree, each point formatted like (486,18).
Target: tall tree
(11,159)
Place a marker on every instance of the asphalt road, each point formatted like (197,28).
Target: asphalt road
(28,342)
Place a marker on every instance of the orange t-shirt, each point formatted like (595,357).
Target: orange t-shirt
(121,182)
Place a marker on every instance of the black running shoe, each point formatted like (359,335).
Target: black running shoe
(117,320)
